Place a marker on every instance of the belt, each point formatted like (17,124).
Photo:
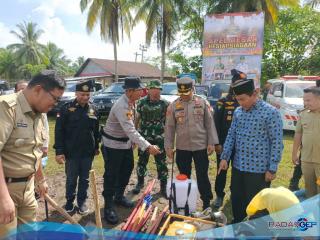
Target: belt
(15,180)
(103,133)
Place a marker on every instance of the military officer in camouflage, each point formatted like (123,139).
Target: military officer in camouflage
(190,119)
(151,116)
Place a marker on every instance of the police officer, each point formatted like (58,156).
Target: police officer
(190,119)
(222,118)
(151,120)
(76,142)
(119,135)
(21,137)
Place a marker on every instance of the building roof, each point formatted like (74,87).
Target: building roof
(125,68)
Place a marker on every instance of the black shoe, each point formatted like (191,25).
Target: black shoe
(138,188)
(218,202)
(206,204)
(69,207)
(163,190)
(123,201)
(111,216)
(83,209)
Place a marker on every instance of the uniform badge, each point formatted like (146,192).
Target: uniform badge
(180,119)
(229,118)
(179,105)
(85,88)
(71,109)
(129,115)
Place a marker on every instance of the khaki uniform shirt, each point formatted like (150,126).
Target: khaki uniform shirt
(192,123)
(22,134)
(309,126)
(120,124)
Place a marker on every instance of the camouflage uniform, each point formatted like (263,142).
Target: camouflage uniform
(152,120)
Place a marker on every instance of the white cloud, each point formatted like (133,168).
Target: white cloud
(65,25)
(6,37)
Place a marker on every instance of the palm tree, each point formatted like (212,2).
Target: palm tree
(8,65)
(54,56)
(114,17)
(270,7)
(161,18)
(29,51)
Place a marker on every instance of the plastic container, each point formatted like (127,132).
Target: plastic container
(182,192)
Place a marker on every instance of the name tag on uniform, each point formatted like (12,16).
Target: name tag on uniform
(22,125)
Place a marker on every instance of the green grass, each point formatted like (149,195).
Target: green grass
(284,172)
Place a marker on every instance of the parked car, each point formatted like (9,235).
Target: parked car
(69,94)
(202,90)
(169,91)
(105,100)
(4,88)
(286,94)
(217,90)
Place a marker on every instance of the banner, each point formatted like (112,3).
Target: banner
(232,40)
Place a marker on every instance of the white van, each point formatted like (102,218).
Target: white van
(286,94)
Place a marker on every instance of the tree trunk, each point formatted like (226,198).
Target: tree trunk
(115,56)
(163,51)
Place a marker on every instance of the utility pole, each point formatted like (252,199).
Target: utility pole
(137,54)
(142,48)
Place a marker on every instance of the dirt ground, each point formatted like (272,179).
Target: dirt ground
(57,192)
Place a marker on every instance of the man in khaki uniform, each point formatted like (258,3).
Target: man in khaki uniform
(190,119)
(21,137)
(307,135)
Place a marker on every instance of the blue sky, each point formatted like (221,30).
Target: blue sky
(64,25)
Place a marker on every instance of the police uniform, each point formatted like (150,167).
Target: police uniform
(223,115)
(118,136)
(309,126)
(21,137)
(151,117)
(192,123)
(77,138)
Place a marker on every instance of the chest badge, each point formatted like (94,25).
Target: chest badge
(71,109)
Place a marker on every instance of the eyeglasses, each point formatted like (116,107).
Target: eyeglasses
(56,99)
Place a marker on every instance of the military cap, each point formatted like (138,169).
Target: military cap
(184,85)
(132,83)
(243,86)
(154,84)
(85,86)
(236,75)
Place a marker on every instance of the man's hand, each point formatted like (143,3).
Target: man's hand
(43,188)
(295,160)
(44,151)
(269,176)
(223,166)
(7,210)
(154,150)
(210,149)
(218,149)
(97,152)
(60,159)
(169,152)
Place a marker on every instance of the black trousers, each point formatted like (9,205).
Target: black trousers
(221,178)
(77,168)
(201,162)
(244,186)
(118,164)
(296,176)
